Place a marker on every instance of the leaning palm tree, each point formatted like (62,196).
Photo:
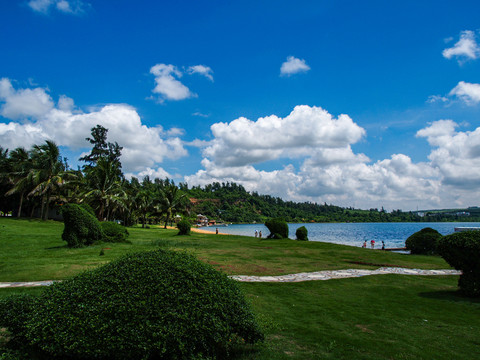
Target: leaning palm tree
(171,202)
(48,173)
(20,175)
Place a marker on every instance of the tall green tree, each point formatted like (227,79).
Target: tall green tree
(102,148)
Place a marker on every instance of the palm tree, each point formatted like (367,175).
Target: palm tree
(20,175)
(104,188)
(171,202)
(48,173)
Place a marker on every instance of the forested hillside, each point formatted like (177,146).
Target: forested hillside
(230,202)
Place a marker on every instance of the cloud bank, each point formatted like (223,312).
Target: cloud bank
(35,117)
(330,171)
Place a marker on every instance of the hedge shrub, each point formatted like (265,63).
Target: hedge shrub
(81,227)
(423,242)
(14,312)
(302,233)
(184,226)
(278,228)
(462,251)
(87,207)
(114,232)
(160,304)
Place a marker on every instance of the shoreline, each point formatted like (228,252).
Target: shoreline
(201,231)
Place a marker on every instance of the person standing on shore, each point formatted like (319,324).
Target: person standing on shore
(383,245)
(260,234)
(372,244)
(364,244)
(256,233)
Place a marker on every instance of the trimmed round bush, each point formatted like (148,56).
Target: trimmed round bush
(81,227)
(114,232)
(302,233)
(184,227)
(423,242)
(462,251)
(160,304)
(278,228)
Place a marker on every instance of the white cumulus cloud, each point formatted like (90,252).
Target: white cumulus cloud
(304,130)
(168,86)
(468,92)
(466,48)
(293,65)
(456,154)
(23,103)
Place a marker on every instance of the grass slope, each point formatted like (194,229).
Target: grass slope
(376,317)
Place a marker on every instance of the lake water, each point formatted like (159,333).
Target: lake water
(354,234)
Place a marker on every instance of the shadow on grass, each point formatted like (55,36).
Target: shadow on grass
(449,295)
(57,247)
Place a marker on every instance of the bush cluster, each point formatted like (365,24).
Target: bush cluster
(461,250)
(114,232)
(160,304)
(278,228)
(423,242)
(81,227)
(302,233)
(184,227)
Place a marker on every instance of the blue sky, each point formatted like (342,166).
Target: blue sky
(363,104)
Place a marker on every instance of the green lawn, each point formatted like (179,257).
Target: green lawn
(374,317)
(34,250)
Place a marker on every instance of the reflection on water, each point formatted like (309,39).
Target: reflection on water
(354,234)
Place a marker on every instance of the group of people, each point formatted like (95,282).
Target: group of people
(372,244)
(258,234)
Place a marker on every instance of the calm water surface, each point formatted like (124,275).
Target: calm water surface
(354,234)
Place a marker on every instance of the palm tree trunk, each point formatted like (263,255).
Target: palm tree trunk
(47,202)
(100,211)
(166,220)
(20,205)
(43,206)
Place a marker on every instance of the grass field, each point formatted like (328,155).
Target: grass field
(375,317)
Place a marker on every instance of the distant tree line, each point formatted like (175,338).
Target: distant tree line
(36,181)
